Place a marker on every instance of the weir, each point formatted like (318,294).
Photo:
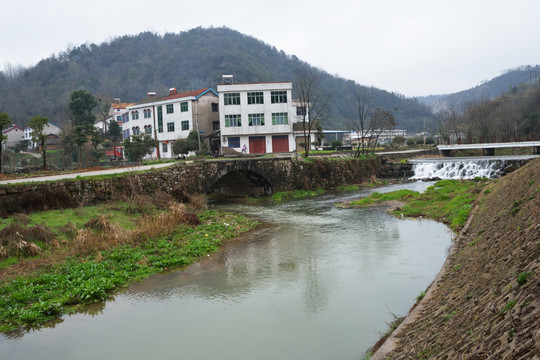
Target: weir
(466,168)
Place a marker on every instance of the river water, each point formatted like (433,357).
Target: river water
(316,282)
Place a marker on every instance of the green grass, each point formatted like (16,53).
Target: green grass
(348,188)
(34,300)
(375,198)
(296,194)
(449,201)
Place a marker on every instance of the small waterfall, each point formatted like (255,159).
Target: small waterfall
(458,169)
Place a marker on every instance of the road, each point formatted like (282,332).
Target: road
(85,174)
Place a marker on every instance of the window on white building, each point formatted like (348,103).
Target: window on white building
(164,147)
(134,115)
(185,125)
(170,126)
(234,142)
(256,119)
(280,119)
(255,98)
(277,97)
(148,129)
(231,99)
(135,130)
(170,109)
(184,106)
(147,113)
(233,120)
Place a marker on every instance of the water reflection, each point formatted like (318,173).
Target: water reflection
(316,282)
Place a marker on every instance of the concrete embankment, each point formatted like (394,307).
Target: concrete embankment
(485,302)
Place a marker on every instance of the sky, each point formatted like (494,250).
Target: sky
(410,47)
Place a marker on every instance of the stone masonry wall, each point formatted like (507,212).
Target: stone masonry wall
(196,177)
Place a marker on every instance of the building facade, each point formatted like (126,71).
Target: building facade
(257,117)
(50,129)
(172,117)
(14,134)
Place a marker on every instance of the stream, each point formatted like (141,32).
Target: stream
(315,282)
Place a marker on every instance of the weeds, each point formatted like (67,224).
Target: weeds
(421,295)
(522,277)
(109,257)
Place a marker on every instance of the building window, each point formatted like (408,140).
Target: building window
(135,130)
(125,134)
(125,118)
(255,98)
(280,119)
(170,127)
(256,119)
(160,118)
(300,110)
(119,118)
(170,109)
(215,125)
(148,129)
(185,125)
(164,147)
(183,106)
(231,99)
(215,107)
(278,97)
(234,142)
(147,113)
(134,115)
(233,120)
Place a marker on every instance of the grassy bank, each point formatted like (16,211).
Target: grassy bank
(448,201)
(73,257)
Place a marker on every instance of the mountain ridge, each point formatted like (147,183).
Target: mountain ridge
(130,66)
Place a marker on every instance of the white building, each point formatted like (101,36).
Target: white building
(50,129)
(257,117)
(117,112)
(172,117)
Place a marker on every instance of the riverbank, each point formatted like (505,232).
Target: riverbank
(55,262)
(485,302)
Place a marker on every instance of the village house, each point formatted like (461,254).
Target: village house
(53,134)
(256,117)
(117,112)
(172,117)
(14,134)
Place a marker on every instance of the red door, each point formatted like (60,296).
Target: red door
(280,143)
(257,145)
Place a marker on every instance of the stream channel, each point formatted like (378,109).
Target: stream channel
(315,282)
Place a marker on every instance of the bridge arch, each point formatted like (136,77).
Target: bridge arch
(242,182)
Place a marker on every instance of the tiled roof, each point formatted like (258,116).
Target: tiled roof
(121,105)
(178,95)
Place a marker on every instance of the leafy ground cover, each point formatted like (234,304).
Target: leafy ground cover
(80,256)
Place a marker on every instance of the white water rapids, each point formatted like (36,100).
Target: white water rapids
(458,169)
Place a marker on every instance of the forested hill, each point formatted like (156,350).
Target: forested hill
(488,90)
(130,66)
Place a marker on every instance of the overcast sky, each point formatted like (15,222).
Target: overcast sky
(412,47)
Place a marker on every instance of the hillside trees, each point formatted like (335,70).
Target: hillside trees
(512,117)
(130,66)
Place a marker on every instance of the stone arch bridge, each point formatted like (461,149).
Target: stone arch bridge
(238,177)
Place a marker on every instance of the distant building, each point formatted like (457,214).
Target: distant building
(172,117)
(50,129)
(14,134)
(257,117)
(117,112)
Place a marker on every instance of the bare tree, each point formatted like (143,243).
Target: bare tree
(312,102)
(361,125)
(370,122)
